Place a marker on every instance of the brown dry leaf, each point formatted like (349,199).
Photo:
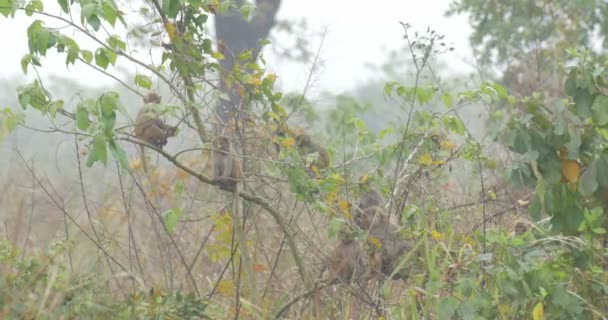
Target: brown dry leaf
(257,267)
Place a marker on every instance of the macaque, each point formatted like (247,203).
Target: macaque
(370,197)
(306,147)
(346,261)
(149,127)
(226,166)
(383,238)
(520,228)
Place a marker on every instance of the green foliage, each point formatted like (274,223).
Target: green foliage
(9,120)
(564,141)
(506,29)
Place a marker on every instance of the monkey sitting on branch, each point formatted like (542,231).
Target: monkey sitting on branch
(227,171)
(149,127)
(315,156)
(385,244)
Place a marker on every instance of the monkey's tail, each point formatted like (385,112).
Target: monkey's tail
(142,152)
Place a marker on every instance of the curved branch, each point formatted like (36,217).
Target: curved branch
(245,195)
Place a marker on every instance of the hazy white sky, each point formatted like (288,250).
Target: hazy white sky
(358,32)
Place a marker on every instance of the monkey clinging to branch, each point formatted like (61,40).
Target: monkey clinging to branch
(149,127)
(307,148)
(226,166)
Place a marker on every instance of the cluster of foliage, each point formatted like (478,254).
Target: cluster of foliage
(555,269)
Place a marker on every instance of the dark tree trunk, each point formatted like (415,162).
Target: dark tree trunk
(235,35)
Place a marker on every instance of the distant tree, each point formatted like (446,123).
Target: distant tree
(526,41)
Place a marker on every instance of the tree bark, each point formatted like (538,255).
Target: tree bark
(235,35)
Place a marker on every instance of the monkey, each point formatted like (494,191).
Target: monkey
(150,128)
(386,245)
(370,197)
(346,260)
(520,227)
(227,172)
(227,169)
(307,147)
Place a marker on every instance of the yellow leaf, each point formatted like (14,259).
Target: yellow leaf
(447,145)
(492,194)
(254,81)
(571,171)
(523,202)
(171,30)
(503,310)
(241,91)
(344,205)
(288,142)
(374,241)
(331,197)
(364,179)
(425,160)
(538,311)
(226,287)
(438,236)
(136,164)
(218,55)
(271,77)
(438,162)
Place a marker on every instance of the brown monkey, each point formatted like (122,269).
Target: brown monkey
(306,147)
(227,172)
(226,166)
(386,245)
(370,197)
(346,261)
(149,127)
(520,227)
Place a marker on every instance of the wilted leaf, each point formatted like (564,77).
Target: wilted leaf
(571,171)
(538,311)
(425,160)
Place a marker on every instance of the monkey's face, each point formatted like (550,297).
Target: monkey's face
(152,98)
(222,143)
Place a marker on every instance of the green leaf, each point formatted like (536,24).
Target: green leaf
(143,81)
(89,14)
(108,103)
(109,12)
(447,307)
(119,154)
(100,148)
(87,55)
(171,218)
(588,181)
(171,8)
(602,170)
(82,118)
(64,5)
(54,107)
(25,62)
(207,46)
(583,101)
(8,7)
(447,99)
(115,42)
(425,95)
(101,59)
(34,6)
(571,84)
(600,110)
